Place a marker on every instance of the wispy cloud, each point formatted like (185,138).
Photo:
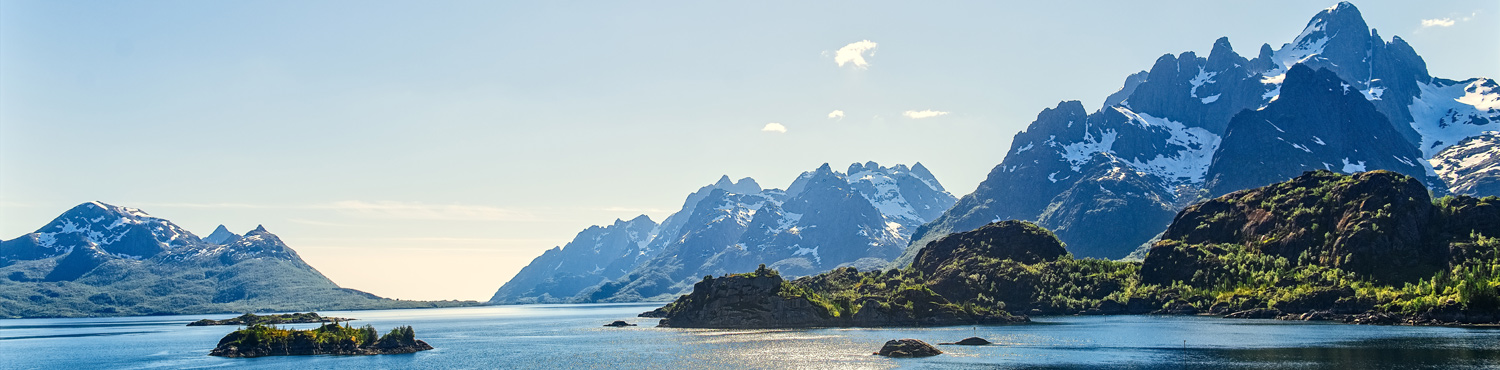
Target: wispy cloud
(854,53)
(836,114)
(378,209)
(928,113)
(1438,22)
(774,127)
(425,211)
(318,223)
(637,210)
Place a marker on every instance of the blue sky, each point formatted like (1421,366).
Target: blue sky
(461,139)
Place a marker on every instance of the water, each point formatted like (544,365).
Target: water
(572,337)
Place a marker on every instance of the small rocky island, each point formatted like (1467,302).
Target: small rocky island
(329,339)
(287,318)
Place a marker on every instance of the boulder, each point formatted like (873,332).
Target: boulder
(908,348)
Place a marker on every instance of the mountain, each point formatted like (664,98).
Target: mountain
(98,259)
(596,255)
(1338,97)
(221,235)
(1368,248)
(1318,122)
(823,220)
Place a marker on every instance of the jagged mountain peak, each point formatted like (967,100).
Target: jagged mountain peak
(221,235)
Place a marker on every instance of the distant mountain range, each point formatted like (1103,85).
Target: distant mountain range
(824,219)
(1338,97)
(99,259)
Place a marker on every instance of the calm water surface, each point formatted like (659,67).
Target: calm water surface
(571,337)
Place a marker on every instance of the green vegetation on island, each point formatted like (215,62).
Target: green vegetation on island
(329,339)
(252,319)
(1368,248)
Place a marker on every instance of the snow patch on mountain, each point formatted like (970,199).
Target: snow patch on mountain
(1352,167)
(1079,153)
(1446,113)
(1190,164)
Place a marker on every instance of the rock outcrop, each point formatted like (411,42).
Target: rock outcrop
(908,348)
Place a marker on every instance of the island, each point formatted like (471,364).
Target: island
(287,318)
(1369,248)
(330,339)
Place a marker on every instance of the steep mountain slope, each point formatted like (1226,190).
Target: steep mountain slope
(825,219)
(1167,125)
(103,260)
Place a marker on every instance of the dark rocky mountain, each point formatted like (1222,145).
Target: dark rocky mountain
(1167,126)
(103,260)
(825,219)
(1318,122)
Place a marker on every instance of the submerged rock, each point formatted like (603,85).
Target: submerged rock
(908,348)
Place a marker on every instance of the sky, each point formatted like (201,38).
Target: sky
(457,140)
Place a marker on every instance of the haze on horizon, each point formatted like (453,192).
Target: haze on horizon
(457,141)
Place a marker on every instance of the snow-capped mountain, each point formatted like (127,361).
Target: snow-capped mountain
(100,259)
(596,255)
(1169,125)
(825,219)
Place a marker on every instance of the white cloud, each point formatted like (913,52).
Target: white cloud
(854,53)
(836,114)
(1439,22)
(774,127)
(923,114)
